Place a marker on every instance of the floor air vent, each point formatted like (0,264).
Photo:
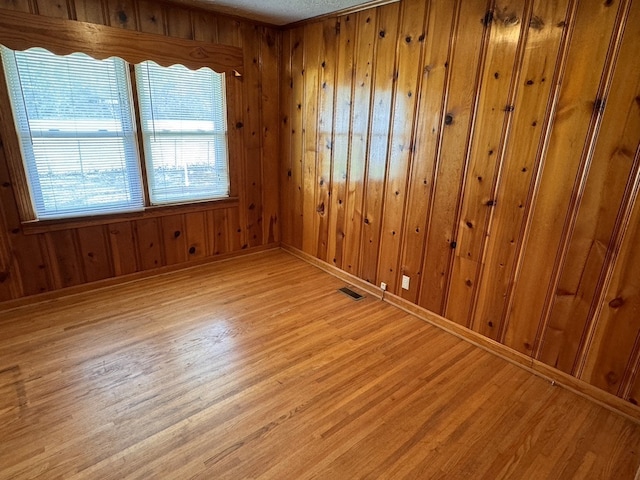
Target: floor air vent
(351,293)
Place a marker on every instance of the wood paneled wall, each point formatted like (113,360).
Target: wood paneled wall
(489,150)
(35,263)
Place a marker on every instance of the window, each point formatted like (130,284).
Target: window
(76,126)
(183,118)
(76,131)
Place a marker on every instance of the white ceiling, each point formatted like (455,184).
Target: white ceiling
(277,12)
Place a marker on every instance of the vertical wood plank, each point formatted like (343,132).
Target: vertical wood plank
(10,234)
(426,141)
(311,72)
(205,26)
(341,135)
(196,231)
(410,41)
(237,153)
(149,242)
(459,109)
(179,23)
(324,142)
(217,226)
(297,139)
(174,239)
(95,253)
(7,271)
(152,17)
(286,140)
(362,90)
(229,32)
(252,98)
(270,60)
(64,259)
(384,85)
(494,111)
(57,9)
(123,248)
(122,14)
(91,11)
(235,232)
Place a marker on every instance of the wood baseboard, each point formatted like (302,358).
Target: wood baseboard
(132,277)
(552,375)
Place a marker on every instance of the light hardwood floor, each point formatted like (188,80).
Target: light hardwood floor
(258,368)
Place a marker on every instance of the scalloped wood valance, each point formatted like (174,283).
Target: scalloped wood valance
(20,31)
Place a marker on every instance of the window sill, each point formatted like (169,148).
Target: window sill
(44,226)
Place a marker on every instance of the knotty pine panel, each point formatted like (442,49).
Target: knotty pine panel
(36,263)
(503,186)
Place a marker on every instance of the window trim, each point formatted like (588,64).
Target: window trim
(21,31)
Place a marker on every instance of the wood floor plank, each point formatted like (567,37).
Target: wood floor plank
(257,367)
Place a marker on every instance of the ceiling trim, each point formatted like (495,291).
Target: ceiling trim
(339,13)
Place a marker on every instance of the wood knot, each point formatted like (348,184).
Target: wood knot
(448,119)
(382,34)
(192,250)
(453,244)
(468,282)
(491,203)
(366,221)
(176,234)
(122,16)
(616,302)
(239,125)
(421,37)
(408,39)
(289,173)
(611,378)
(536,23)
(511,21)
(4,275)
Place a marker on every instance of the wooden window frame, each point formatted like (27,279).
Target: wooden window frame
(21,31)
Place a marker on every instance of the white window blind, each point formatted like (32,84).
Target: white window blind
(183,118)
(75,125)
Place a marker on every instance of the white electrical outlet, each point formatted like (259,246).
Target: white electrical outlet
(383,286)
(405,282)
